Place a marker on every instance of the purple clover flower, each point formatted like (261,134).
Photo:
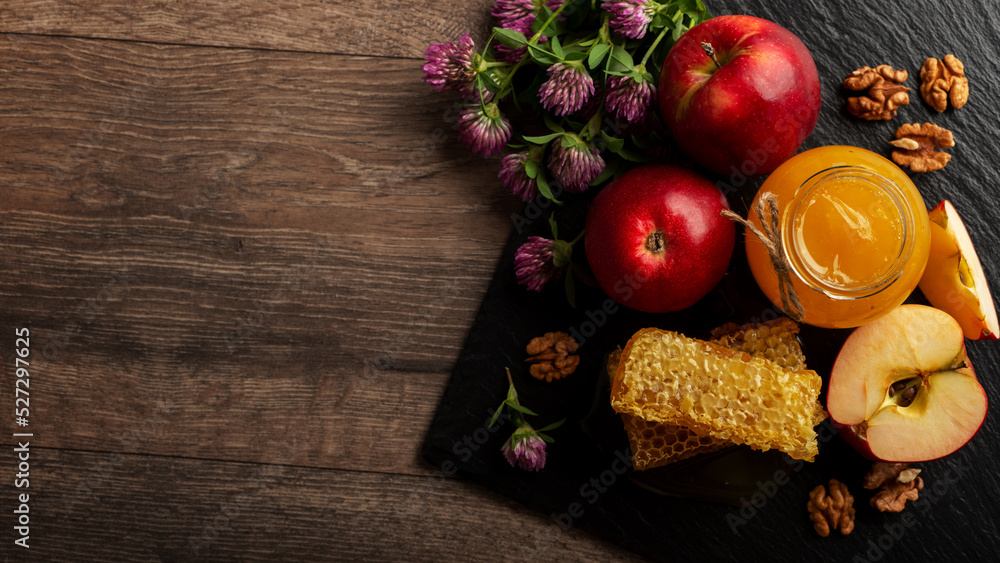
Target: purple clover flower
(568,87)
(517,15)
(574,163)
(525,449)
(535,263)
(514,176)
(449,66)
(628,99)
(483,129)
(630,18)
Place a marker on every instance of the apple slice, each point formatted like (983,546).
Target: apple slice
(954,280)
(902,388)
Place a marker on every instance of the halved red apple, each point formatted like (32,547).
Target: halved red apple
(954,280)
(903,389)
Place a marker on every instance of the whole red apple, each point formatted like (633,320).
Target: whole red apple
(655,238)
(740,94)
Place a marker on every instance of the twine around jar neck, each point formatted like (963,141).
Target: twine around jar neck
(770,237)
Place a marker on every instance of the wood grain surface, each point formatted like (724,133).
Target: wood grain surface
(248,248)
(379,27)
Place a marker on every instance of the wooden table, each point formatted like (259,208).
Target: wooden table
(247,247)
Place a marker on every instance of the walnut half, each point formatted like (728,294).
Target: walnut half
(831,511)
(897,483)
(885,92)
(916,147)
(943,80)
(893,496)
(550,356)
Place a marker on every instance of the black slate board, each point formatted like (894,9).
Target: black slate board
(583,484)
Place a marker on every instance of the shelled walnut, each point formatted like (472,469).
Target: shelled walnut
(893,496)
(916,146)
(833,510)
(550,356)
(897,483)
(885,92)
(943,80)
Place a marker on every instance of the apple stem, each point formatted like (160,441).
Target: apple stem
(656,242)
(710,51)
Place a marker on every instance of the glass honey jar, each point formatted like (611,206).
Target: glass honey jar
(848,236)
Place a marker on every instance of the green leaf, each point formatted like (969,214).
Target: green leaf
(660,21)
(621,60)
(570,141)
(633,156)
(574,56)
(510,38)
(521,409)
(554,226)
(552,124)
(554,27)
(511,395)
(694,8)
(531,168)
(552,426)
(542,56)
(614,143)
(543,187)
(543,139)
(679,28)
(488,81)
(587,43)
(557,48)
(546,438)
(597,55)
(496,415)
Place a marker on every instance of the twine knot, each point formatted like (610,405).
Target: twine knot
(770,237)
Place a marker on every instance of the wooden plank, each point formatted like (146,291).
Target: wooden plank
(381,28)
(103,507)
(264,241)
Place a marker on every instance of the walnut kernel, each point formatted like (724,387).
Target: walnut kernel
(885,92)
(883,472)
(916,146)
(893,496)
(550,356)
(831,511)
(943,80)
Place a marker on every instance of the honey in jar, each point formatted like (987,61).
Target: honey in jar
(853,231)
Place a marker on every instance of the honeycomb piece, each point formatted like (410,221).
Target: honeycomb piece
(655,444)
(775,340)
(713,391)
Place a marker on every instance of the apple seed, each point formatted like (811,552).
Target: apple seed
(907,390)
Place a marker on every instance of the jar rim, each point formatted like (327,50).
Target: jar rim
(793,247)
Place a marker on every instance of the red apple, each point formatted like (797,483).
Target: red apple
(655,238)
(750,108)
(903,389)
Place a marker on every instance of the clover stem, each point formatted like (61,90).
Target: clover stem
(652,47)
(552,18)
